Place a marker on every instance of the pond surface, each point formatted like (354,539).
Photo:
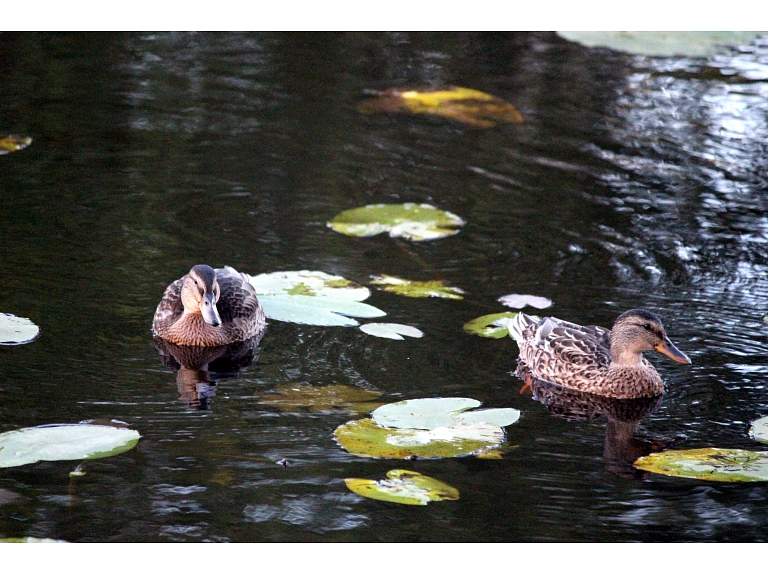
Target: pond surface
(633,182)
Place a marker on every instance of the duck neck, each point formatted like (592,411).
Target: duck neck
(625,357)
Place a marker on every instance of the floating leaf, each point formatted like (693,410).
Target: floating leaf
(365,438)
(10,144)
(709,463)
(471,107)
(664,43)
(492,325)
(64,442)
(391,330)
(293,398)
(417,222)
(431,413)
(308,283)
(316,310)
(31,540)
(404,487)
(16,330)
(409,288)
(519,301)
(759,430)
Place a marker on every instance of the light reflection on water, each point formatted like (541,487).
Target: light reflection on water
(634,182)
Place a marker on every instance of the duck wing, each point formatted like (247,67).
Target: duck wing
(169,309)
(238,305)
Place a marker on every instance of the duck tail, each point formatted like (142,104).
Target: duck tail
(518,325)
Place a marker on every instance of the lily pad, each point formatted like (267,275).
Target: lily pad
(493,325)
(16,330)
(326,398)
(417,222)
(10,144)
(519,301)
(308,283)
(316,310)
(431,413)
(759,430)
(63,442)
(471,107)
(391,330)
(404,487)
(410,288)
(709,463)
(664,43)
(365,438)
(31,540)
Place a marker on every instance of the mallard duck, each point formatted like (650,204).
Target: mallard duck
(209,307)
(593,359)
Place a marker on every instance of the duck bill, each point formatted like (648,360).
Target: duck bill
(668,348)
(209,311)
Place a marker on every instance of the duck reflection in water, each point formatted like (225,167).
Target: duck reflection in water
(198,368)
(622,446)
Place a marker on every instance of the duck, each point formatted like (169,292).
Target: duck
(594,359)
(209,307)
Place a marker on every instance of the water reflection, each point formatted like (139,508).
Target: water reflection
(199,368)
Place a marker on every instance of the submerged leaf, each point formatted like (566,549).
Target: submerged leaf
(391,330)
(365,438)
(431,413)
(417,222)
(404,487)
(664,43)
(64,442)
(759,430)
(10,144)
(471,107)
(316,310)
(519,301)
(293,398)
(409,288)
(709,463)
(16,330)
(493,325)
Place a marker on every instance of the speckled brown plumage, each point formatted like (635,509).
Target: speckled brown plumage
(593,359)
(180,317)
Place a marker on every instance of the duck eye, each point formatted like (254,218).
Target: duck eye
(647,327)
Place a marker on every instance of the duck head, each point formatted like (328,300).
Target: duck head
(200,292)
(639,330)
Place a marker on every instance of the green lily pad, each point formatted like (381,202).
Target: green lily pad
(316,310)
(431,413)
(471,107)
(409,288)
(31,540)
(493,325)
(664,43)
(10,144)
(404,487)
(759,430)
(326,398)
(64,442)
(709,463)
(417,222)
(519,301)
(16,330)
(365,438)
(308,283)
(391,330)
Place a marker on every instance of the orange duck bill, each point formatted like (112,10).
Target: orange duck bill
(668,348)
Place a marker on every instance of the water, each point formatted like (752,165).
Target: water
(633,182)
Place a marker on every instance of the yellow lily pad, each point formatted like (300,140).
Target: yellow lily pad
(493,325)
(10,144)
(326,398)
(410,288)
(471,107)
(404,487)
(709,463)
(417,222)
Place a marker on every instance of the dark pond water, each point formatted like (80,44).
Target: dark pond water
(634,182)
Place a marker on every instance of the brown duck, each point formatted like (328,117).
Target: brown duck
(593,359)
(209,307)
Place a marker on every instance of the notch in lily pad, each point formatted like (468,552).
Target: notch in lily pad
(494,325)
(416,222)
(709,464)
(404,487)
(471,107)
(13,143)
(16,330)
(64,442)
(412,288)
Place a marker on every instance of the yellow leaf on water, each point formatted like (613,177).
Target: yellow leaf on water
(10,144)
